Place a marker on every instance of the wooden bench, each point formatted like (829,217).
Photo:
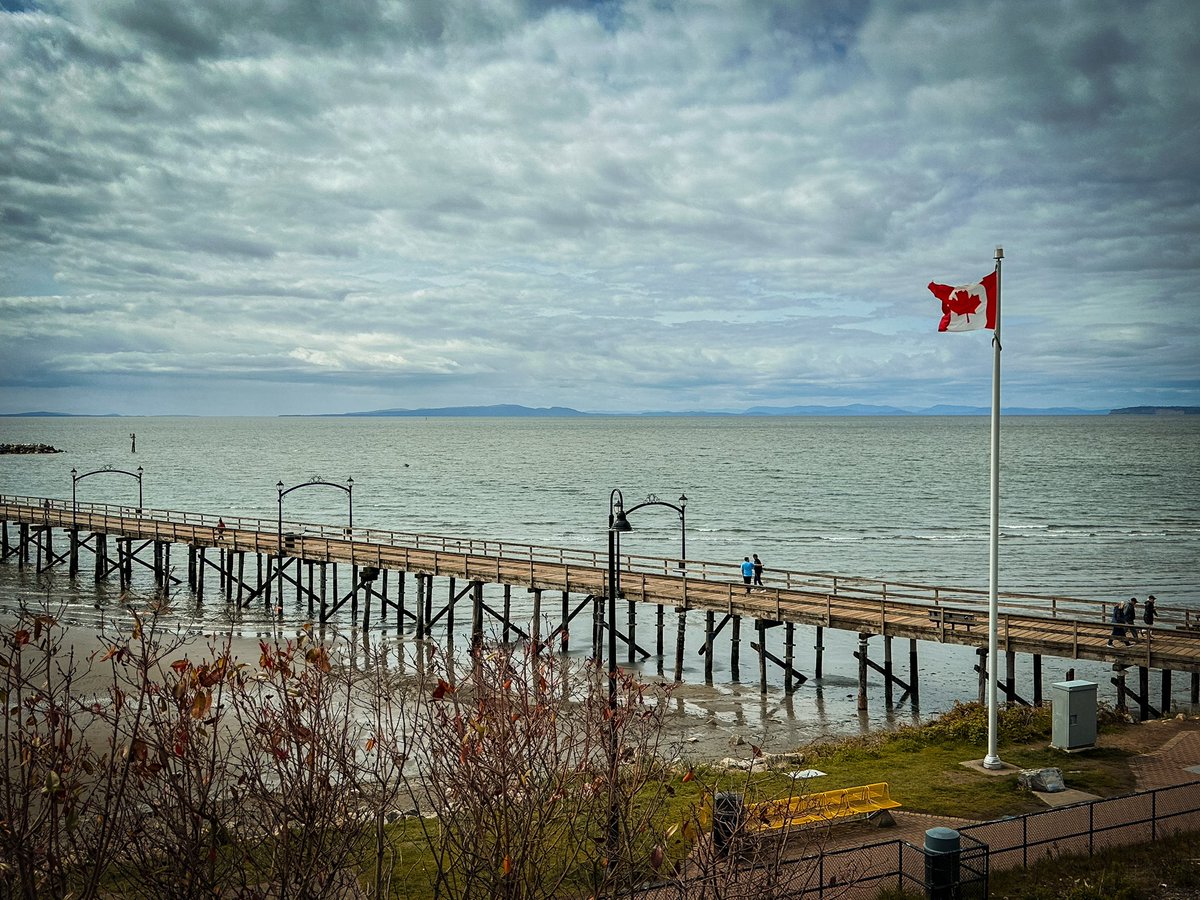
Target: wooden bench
(816,809)
(951,617)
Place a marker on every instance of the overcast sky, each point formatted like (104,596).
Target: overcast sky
(290,206)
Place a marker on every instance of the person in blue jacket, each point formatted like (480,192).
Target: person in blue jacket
(747,572)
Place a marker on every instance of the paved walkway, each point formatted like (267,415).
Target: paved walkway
(1176,762)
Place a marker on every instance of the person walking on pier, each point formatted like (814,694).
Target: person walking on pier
(1148,610)
(1118,620)
(758,570)
(747,572)
(1130,618)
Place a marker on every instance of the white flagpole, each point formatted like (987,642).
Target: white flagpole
(992,760)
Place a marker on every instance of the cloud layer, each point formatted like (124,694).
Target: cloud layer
(292,206)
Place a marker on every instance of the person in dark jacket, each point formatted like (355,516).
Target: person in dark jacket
(1118,620)
(1131,617)
(1148,610)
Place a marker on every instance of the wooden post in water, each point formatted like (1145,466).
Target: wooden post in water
(1119,680)
(789,654)
(1166,692)
(566,611)
(101,555)
(477,617)
(981,653)
(200,574)
(507,612)
(761,625)
(1195,688)
(450,610)
(887,671)
(73,563)
(1010,676)
(819,646)
(1143,693)
(535,627)
(709,616)
(862,671)
(913,690)
(680,636)
(4,539)
(1037,679)
(419,624)
(192,566)
(735,649)
(23,549)
(353,592)
(632,625)
(597,625)
(324,595)
(659,615)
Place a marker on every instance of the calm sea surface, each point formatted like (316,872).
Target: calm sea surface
(1095,507)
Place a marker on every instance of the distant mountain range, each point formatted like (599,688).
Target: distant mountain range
(853,409)
(511,410)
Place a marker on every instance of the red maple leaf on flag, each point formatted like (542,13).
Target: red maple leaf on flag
(963,303)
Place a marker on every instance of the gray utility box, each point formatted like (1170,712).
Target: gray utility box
(1074,715)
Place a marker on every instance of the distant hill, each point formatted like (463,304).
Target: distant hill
(42,414)
(504,409)
(1156,411)
(853,409)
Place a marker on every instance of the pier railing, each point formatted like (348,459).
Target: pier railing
(182,525)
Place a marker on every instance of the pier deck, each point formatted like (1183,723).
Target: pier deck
(1068,628)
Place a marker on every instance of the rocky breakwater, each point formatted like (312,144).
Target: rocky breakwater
(28,448)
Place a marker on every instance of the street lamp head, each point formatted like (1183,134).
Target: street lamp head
(279,485)
(683,499)
(620,521)
(74,472)
(350,482)
(139,471)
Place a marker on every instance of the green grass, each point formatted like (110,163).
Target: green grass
(1169,867)
(923,765)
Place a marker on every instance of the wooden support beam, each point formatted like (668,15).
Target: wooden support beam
(765,655)
(716,631)
(888,676)
(1123,691)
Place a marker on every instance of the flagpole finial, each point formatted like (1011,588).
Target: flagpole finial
(999,253)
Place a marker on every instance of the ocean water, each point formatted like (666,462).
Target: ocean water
(1095,507)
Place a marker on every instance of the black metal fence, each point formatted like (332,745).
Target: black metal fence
(1089,827)
(853,873)
(863,872)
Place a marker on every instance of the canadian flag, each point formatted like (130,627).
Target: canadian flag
(969,306)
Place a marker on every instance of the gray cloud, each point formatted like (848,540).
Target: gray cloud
(628,205)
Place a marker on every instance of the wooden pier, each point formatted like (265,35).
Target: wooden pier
(255,563)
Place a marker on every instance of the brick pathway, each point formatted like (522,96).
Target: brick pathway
(1170,764)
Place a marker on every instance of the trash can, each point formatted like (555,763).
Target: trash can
(1074,723)
(942,847)
(728,816)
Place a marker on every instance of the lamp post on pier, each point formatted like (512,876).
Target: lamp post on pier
(103,470)
(618,522)
(314,481)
